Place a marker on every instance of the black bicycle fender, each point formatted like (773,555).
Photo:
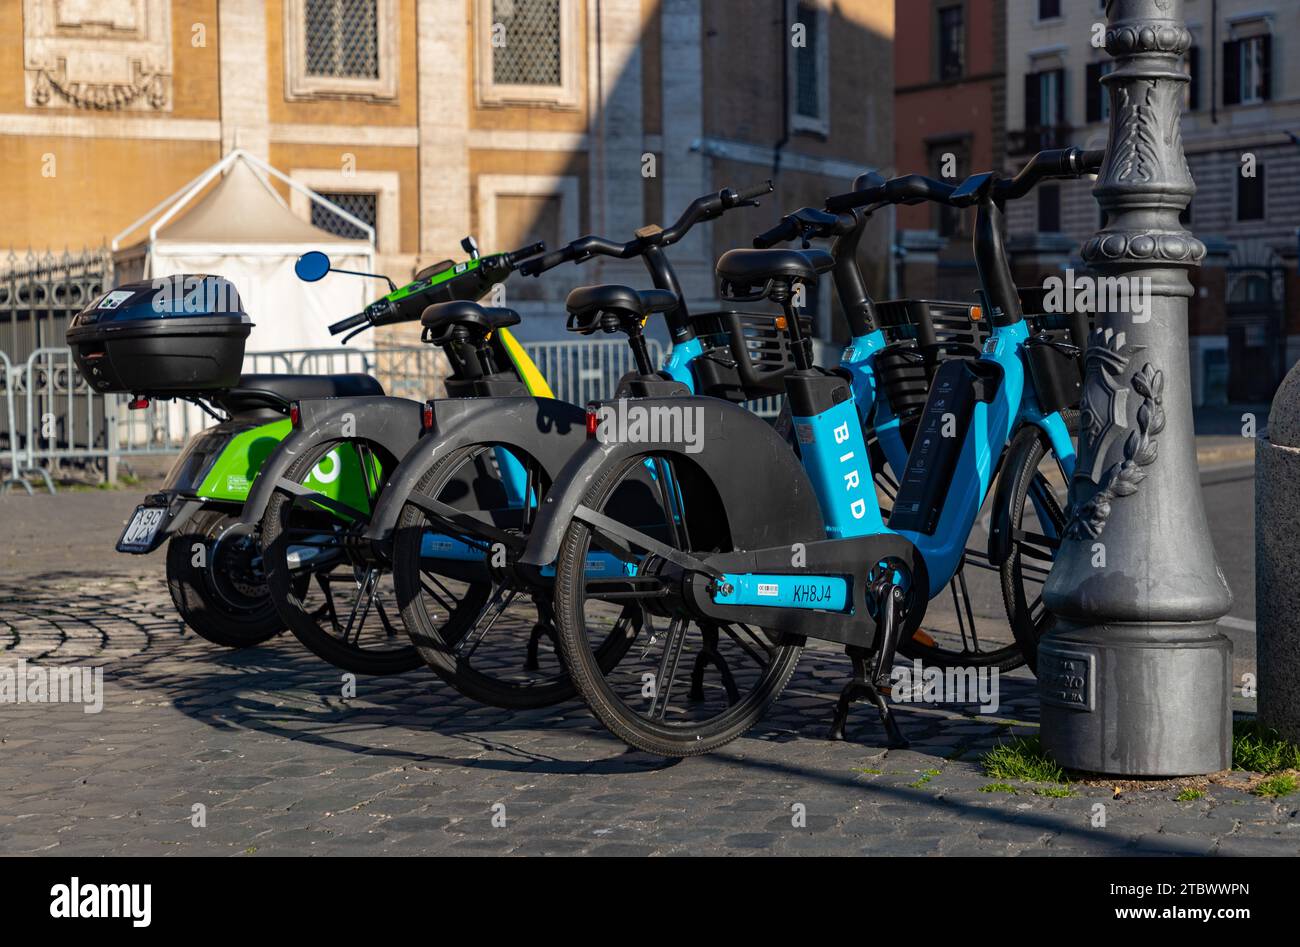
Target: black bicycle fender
(545,429)
(1000,519)
(391,423)
(765,493)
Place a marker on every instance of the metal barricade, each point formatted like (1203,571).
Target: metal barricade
(15,475)
(582,371)
(56,423)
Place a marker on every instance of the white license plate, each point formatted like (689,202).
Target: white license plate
(144,524)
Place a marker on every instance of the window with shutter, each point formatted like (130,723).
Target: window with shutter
(1248,70)
(1033,100)
(1250,195)
(952,43)
(1098,94)
(810,67)
(340,48)
(1232,72)
(1265,67)
(527,52)
(1044,109)
(1193,65)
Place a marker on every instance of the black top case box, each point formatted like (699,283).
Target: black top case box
(168,337)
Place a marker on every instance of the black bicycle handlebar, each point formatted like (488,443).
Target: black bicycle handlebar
(787,229)
(908,189)
(515,257)
(547,261)
(389,310)
(914,188)
(703,208)
(1057,163)
(807,221)
(343,325)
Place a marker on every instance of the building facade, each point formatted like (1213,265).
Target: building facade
(514,120)
(950,92)
(1240,127)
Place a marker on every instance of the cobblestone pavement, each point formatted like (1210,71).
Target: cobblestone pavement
(283,764)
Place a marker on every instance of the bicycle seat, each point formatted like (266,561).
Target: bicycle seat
(611,308)
(277,391)
(441,320)
(741,269)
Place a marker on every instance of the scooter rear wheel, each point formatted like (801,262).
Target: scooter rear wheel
(216,585)
(735,672)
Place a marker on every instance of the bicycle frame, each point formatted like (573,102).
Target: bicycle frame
(833,450)
(849,505)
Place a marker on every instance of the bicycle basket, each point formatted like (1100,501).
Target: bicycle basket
(1054,351)
(746,354)
(921,334)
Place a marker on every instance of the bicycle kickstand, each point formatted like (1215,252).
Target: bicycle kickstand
(710,654)
(545,627)
(875,685)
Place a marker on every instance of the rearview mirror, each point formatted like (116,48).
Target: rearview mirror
(312,266)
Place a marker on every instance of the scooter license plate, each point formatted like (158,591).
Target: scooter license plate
(140,531)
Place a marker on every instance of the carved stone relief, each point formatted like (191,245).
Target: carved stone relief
(105,55)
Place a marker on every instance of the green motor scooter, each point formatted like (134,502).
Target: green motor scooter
(183,338)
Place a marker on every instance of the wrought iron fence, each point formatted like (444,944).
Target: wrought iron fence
(39,294)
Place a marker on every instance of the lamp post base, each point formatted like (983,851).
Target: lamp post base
(1137,700)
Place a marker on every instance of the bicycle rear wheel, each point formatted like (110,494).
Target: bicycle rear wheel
(329,586)
(503,654)
(690,685)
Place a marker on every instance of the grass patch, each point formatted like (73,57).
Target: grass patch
(1259,749)
(1022,759)
(926,776)
(866,769)
(1053,792)
(1283,784)
(999,787)
(1190,795)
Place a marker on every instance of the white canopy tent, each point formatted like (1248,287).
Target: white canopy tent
(242,229)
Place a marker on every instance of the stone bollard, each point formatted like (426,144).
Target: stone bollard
(1277,562)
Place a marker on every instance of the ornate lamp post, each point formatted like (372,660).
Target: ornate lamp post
(1135,678)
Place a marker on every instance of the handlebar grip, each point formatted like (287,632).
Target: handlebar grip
(343,325)
(758,190)
(540,264)
(523,253)
(785,230)
(1092,161)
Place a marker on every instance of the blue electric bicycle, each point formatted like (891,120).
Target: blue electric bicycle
(749,546)
(494,654)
